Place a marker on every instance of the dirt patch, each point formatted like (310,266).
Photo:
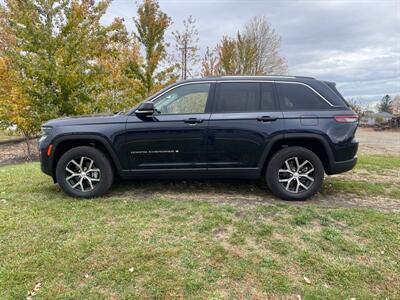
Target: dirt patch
(240,193)
(389,176)
(354,201)
(378,142)
(17,153)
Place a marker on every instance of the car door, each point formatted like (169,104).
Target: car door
(174,137)
(244,119)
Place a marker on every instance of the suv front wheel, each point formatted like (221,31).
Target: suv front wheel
(84,172)
(294,173)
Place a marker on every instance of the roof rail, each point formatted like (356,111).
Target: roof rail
(261,76)
(258,76)
(305,77)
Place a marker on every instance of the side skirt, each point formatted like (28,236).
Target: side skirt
(245,173)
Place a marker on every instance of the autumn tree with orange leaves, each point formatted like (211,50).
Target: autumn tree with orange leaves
(151,25)
(57,59)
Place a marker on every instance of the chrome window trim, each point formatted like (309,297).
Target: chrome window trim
(280,81)
(143,111)
(179,85)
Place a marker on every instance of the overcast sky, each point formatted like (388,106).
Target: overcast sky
(354,43)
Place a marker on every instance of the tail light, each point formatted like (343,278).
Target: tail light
(346,119)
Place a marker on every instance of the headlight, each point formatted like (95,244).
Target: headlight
(46,130)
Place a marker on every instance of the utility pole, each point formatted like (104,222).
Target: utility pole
(184,50)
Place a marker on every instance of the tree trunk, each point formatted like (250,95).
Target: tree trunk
(28,146)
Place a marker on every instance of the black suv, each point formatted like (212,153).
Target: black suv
(290,129)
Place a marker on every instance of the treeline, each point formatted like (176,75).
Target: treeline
(57,58)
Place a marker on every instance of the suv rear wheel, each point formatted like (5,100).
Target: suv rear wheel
(84,172)
(294,173)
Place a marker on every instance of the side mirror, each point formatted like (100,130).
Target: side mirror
(145,109)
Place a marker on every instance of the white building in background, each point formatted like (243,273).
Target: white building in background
(371,118)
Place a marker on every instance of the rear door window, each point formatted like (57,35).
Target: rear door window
(295,96)
(237,97)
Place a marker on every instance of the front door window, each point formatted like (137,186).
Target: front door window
(186,99)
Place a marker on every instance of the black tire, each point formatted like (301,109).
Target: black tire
(286,189)
(104,172)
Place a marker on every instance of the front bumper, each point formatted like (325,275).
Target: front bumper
(45,165)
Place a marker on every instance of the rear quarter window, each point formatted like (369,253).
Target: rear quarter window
(329,89)
(294,96)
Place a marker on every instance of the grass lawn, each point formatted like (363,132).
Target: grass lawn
(138,246)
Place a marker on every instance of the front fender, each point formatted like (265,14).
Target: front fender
(104,141)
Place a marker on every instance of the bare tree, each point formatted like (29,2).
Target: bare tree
(186,47)
(254,51)
(266,43)
(356,106)
(395,105)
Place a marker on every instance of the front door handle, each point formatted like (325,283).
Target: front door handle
(193,121)
(267,119)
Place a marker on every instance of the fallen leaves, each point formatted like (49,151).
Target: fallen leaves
(32,293)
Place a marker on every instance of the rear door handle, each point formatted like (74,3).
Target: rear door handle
(267,119)
(193,121)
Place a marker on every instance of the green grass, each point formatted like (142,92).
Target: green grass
(363,184)
(378,163)
(128,245)
(362,188)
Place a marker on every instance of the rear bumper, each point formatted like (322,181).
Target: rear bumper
(344,158)
(342,166)
(345,151)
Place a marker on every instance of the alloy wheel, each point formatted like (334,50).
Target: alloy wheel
(82,174)
(296,175)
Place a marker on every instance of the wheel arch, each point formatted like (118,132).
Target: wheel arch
(65,143)
(314,142)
